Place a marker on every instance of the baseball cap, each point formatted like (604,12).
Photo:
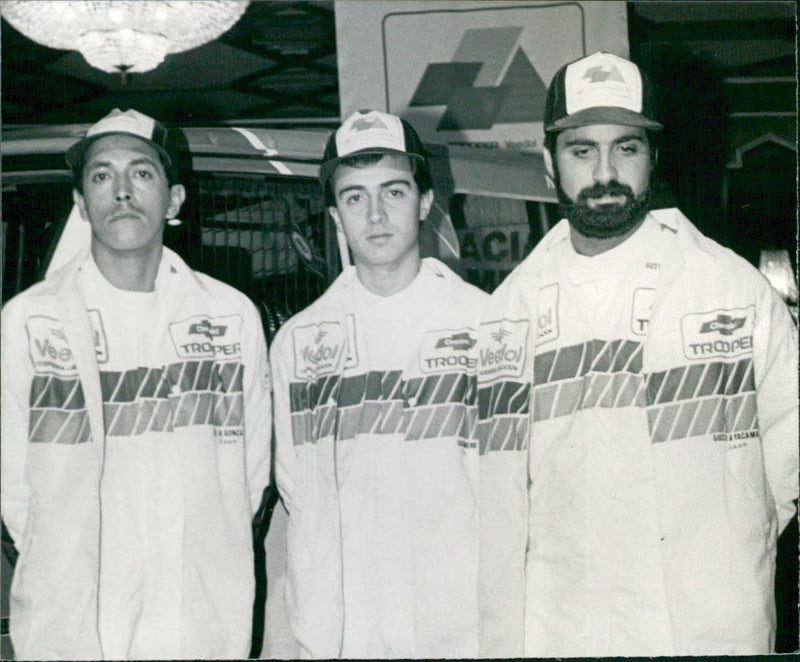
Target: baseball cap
(128,122)
(371,132)
(601,88)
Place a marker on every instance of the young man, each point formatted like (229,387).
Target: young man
(374,401)
(638,435)
(135,428)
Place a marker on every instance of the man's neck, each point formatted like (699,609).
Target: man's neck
(591,246)
(389,279)
(133,272)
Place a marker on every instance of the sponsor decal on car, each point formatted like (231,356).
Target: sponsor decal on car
(207,337)
(447,350)
(718,333)
(48,347)
(503,348)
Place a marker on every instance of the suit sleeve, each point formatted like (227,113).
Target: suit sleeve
(281,357)
(14,389)
(257,407)
(775,341)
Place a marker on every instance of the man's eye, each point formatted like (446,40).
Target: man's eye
(629,148)
(395,193)
(580,152)
(144,174)
(99,177)
(352,199)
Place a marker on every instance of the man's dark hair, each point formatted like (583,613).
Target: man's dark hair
(419,170)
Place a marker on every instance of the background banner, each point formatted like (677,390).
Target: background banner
(467,72)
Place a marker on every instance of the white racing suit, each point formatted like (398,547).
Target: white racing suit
(638,449)
(374,404)
(136,444)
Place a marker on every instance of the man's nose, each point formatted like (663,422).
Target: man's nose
(377,212)
(123,188)
(605,169)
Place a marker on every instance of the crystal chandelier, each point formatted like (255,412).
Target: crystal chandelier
(123,36)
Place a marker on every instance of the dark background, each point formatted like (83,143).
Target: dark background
(724,75)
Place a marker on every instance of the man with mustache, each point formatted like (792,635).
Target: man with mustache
(135,428)
(374,407)
(638,411)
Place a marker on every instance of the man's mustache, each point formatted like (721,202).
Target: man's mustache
(601,190)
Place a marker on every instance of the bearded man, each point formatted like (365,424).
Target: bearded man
(638,411)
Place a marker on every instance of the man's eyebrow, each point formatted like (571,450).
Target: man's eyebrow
(386,184)
(585,142)
(91,165)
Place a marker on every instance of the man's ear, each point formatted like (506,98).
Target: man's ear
(425,204)
(548,162)
(337,220)
(177,194)
(80,203)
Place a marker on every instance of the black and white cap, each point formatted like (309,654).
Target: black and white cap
(128,122)
(371,132)
(601,88)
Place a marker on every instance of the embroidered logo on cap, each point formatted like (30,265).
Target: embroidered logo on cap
(603,80)
(372,130)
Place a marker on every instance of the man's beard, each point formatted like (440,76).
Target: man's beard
(607,220)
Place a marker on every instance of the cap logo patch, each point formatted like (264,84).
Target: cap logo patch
(366,123)
(603,80)
(603,73)
(373,130)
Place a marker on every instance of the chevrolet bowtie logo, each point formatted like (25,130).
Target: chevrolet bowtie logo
(602,73)
(461,341)
(206,328)
(725,324)
(367,123)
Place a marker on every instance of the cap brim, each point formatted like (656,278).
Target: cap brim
(74,155)
(328,167)
(604,115)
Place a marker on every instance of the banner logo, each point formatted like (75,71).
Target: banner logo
(489,81)
(48,347)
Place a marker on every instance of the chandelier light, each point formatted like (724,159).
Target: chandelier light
(123,36)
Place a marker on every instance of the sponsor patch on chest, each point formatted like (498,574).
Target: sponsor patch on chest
(447,350)
(207,337)
(48,347)
(640,312)
(503,348)
(324,348)
(718,333)
(547,319)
